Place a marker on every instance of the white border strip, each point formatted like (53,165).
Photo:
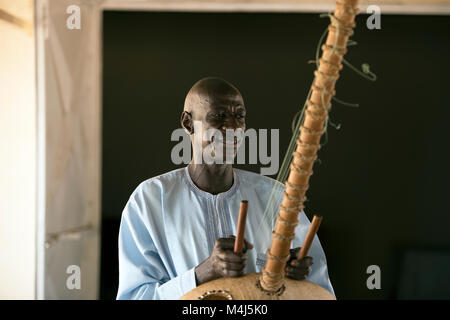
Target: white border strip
(41,19)
(149,5)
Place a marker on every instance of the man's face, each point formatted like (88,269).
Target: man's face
(222,112)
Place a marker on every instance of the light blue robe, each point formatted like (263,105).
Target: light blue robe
(169,226)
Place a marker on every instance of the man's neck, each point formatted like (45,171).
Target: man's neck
(214,178)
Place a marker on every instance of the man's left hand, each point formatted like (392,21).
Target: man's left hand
(298,269)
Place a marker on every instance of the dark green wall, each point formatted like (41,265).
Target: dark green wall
(382,185)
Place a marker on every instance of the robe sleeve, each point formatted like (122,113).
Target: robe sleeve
(319,269)
(142,273)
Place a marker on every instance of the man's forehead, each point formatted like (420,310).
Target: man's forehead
(225,101)
(211,94)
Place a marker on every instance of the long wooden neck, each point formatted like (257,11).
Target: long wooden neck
(315,121)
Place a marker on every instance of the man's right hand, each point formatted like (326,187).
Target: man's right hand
(223,262)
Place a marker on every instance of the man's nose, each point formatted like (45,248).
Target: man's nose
(231,123)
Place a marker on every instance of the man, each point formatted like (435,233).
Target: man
(177,228)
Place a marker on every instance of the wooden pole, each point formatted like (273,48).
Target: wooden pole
(238,244)
(315,224)
(314,124)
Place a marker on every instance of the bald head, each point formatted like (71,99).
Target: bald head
(211,91)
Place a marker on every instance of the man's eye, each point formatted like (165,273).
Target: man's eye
(221,115)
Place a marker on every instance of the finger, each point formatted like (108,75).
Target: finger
(298,272)
(225,262)
(230,256)
(231,266)
(247,245)
(294,252)
(225,243)
(297,269)
(233,273)
(305,262)
(296,277)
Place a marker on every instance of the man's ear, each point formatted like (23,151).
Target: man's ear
(186,122)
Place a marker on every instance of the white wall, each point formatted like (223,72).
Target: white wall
(17,160)
(69,61)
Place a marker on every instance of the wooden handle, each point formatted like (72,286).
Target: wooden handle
(308,143)
(315,224)
(241,227)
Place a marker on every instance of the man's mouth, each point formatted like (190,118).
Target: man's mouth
(226,142)
(230,143)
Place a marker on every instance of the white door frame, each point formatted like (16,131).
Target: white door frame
(69,124)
